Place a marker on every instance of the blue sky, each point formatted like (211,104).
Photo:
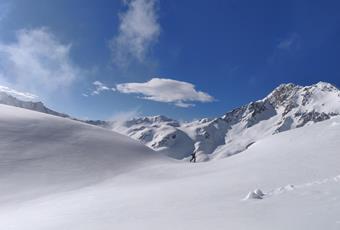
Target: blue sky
(185,59)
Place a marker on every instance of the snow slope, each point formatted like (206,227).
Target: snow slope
(15,98)
(40,152)
(287,107)
(60,174)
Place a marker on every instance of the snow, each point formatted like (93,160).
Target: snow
(39,152)
(24,100)
(23,96)
(61,174)
(256,194)
(287,107)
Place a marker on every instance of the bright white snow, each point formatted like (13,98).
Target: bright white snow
(287,107)
(60,174)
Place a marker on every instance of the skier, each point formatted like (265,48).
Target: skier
(193,157)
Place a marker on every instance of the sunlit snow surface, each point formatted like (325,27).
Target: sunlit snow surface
(287,107)
(58,174)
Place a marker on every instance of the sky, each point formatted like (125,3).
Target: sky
(110,59)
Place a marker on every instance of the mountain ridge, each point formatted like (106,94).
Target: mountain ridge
(61,174)
(7,98)
(288,106)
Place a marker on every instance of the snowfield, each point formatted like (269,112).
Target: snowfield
(59,174)
(39,152)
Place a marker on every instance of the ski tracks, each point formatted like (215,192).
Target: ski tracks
(258,194)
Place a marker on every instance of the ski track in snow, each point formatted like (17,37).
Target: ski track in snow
(258,194)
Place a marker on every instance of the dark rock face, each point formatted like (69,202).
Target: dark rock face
(261,110)
(152,120)
(97,123)
(235,115)
(282,94)
(313,116)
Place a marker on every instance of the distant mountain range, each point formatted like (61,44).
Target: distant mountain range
(287,107)
(7,98)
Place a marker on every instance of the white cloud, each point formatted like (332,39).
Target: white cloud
(291,42)
(25,96)
(139,29)
(179,93)
(37,61)
(99,87)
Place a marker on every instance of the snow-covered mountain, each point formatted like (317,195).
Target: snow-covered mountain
(289,106)
(56,173)
(23,100)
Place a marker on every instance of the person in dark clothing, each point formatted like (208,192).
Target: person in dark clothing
(193,157)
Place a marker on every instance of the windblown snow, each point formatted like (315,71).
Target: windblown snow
(56,174)
(24,100)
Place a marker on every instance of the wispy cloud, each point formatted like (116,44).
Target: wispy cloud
(118,119)
(37,61)
(179,93)
(287,46)
(139,29)
(292,42)
(25,96)
(126,115)
(99,87)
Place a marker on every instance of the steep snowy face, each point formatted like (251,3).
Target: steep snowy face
(287,107)
(23,100)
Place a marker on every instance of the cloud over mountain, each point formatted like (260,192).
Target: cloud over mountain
(179,93)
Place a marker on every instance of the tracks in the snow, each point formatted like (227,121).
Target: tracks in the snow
(259,194)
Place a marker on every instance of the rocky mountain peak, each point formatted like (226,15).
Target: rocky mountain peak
(152,120)
(326,86)
(282,94)
(287,107)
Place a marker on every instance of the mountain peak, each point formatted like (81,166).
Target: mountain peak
(325,86)
(286,86)
(289,93)
(287,107)
(282,93)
